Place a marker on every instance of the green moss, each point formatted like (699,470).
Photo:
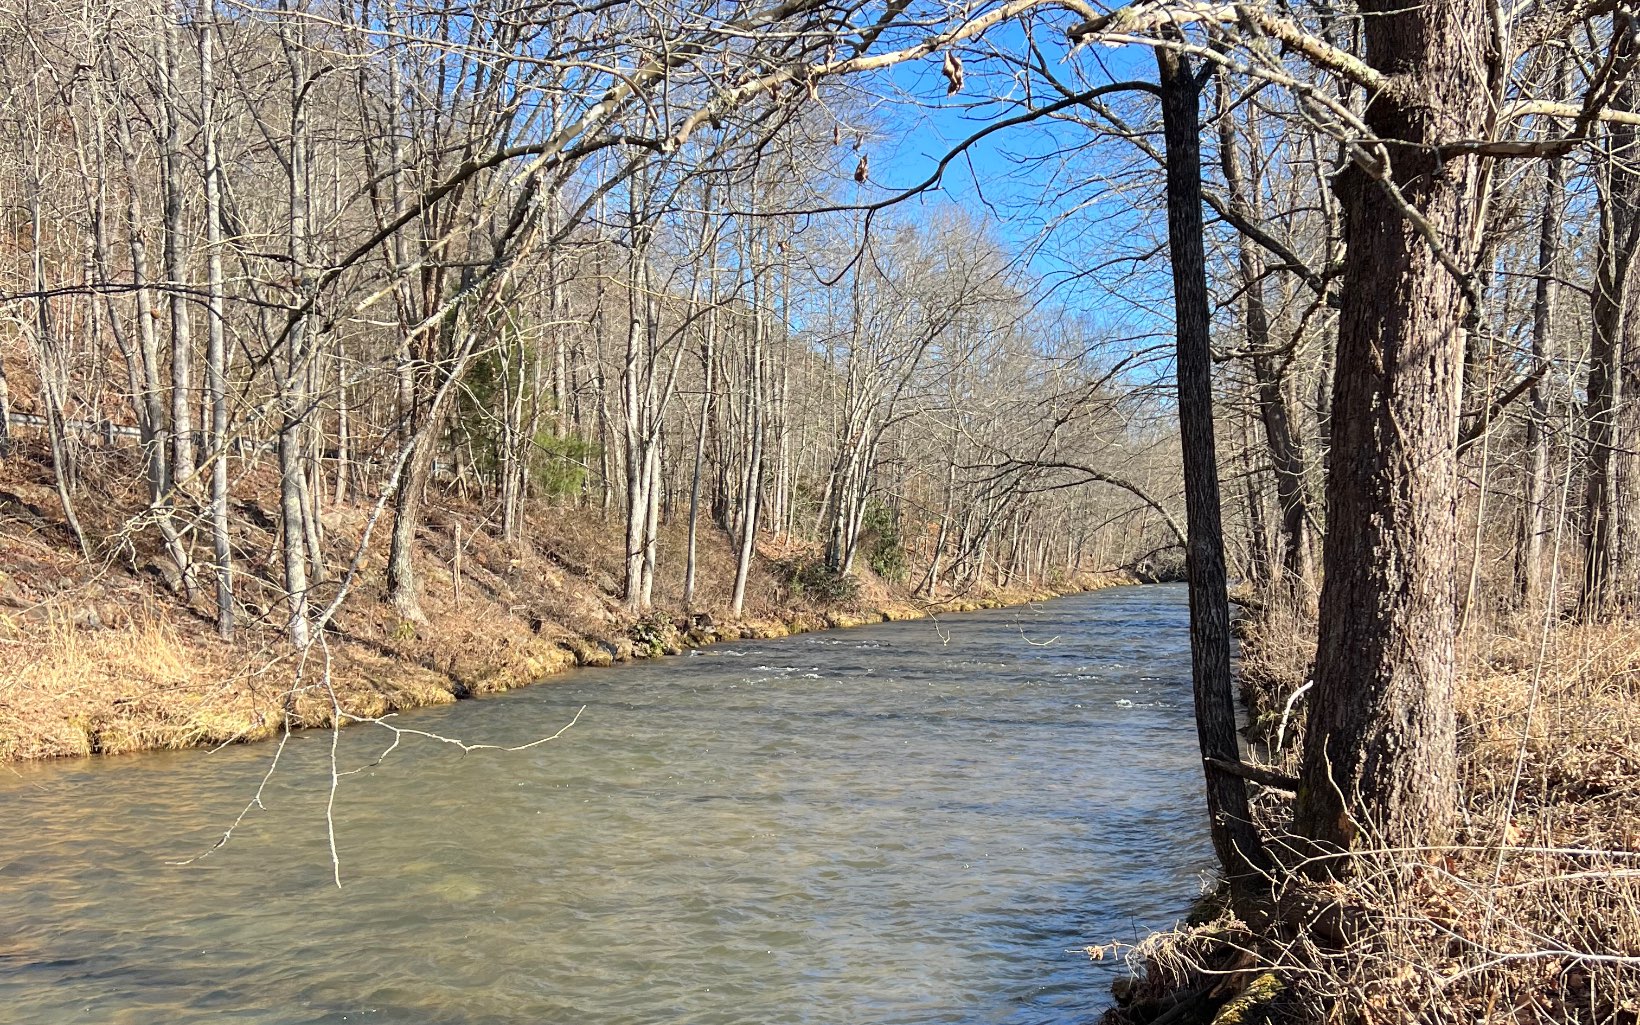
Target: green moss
(1255,1005)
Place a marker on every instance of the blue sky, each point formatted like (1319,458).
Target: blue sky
(1020,178)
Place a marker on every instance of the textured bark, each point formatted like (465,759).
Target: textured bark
(402,590)
(1380,759)
(1535,479)
(1609,525)
(1235,839)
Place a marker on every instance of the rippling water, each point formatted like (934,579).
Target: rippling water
(903,823)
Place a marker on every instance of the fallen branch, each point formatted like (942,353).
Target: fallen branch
(1256,773)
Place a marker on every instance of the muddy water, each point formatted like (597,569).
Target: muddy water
(905,823)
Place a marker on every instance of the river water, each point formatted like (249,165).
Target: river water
(912,822)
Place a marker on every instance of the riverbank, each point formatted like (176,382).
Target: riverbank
(1532,916)
(100,656)
(898,823)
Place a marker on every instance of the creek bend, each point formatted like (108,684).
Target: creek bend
(900,823)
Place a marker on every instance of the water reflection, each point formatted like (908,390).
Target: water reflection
(890,824)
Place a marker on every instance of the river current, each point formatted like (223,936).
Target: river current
(908,823)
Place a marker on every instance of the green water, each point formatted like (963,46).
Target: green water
(903,823)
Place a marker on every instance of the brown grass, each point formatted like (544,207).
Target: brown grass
(102,658)
(1534,915)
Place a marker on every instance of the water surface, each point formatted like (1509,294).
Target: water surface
(905,823)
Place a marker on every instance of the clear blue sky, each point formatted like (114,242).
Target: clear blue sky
(1053,196)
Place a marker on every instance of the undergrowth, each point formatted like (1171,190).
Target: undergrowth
(1532,916)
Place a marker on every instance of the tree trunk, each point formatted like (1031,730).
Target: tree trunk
(1606,580)
(1286,449)
(176,255)
(216,354)
(5,413)
(401,566)
(1380,753)
(638,443)
(156,436)
(652,521)
(1535,479)
(1235,838)
(293,381)
(754,463)
(689,568)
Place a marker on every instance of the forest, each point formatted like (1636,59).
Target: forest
(362,354)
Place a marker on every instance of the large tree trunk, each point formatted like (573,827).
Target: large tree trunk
(1235,838)
(1380,757)
(402,589)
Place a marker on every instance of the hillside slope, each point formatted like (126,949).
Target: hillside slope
(104,656)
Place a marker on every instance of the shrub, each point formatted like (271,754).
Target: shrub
(881,542)
(819,583)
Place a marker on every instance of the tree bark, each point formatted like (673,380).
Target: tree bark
(1606,581)
(1285,447)
(1235,838)
(216,353)
(755,380)
(1535,479)
(175,254)
(706,362)
(1380,753)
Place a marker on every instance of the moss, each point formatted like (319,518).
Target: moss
(1209,906)
(589,653)
(1255,1005)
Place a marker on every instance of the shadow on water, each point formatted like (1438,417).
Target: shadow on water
(903,823)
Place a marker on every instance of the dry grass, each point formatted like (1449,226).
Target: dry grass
(151,683)
(1533,916)
(101,658)
(69,690)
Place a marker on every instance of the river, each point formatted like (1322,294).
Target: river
(906,823)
